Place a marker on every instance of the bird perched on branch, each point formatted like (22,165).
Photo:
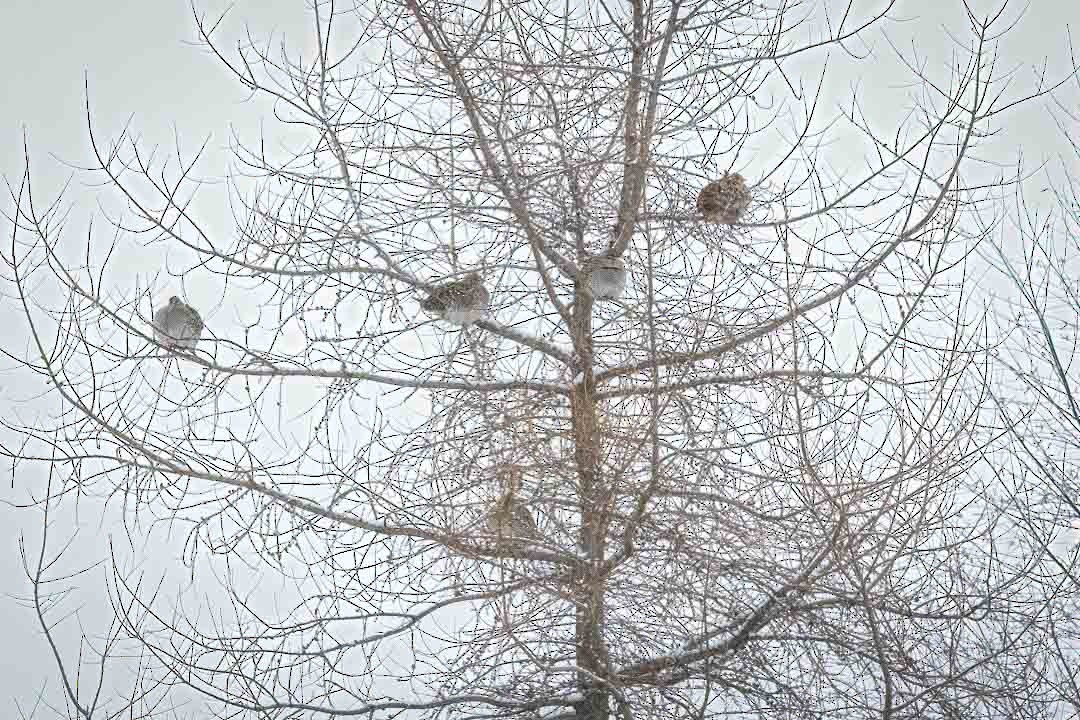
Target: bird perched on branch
(461,302)
(724,200)
(509,518)
(605,276)
(177,325)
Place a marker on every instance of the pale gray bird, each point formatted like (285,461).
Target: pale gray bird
(177,325)
(461,302)
(724,200)
(605,276)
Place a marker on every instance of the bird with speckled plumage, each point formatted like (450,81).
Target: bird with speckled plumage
(724,200)
(459,302)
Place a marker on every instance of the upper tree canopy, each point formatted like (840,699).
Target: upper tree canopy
(532,425)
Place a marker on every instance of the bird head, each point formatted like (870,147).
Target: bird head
(174,300)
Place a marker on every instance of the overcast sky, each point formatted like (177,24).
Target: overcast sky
(139,60)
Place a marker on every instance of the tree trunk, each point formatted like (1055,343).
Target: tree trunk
(588,585)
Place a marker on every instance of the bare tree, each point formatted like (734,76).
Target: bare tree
(529,427)
(1039,393)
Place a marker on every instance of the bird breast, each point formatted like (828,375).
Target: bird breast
(178,326)
(607,277)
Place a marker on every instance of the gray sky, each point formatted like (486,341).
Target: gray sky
(140,61)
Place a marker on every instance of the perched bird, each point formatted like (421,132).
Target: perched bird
(177,325)
(509,518)
(605,276)
(461,302)
(724,200)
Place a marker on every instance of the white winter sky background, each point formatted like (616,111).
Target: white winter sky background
(140,61)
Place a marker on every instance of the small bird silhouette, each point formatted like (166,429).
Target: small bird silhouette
(177,325)
(724,200)
(461,302)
